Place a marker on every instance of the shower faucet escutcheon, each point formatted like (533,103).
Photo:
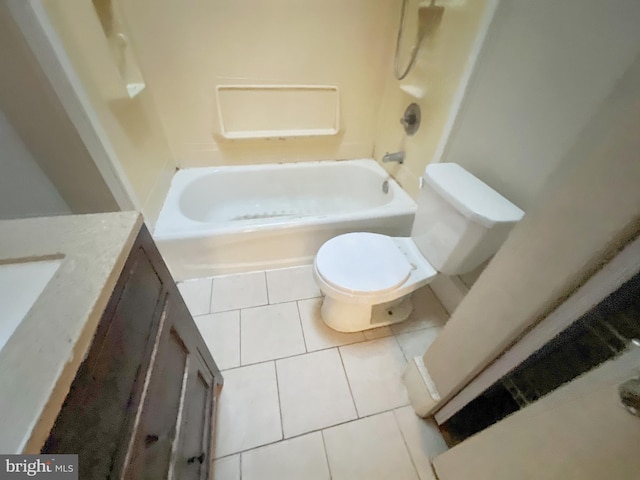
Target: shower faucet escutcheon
(411,119)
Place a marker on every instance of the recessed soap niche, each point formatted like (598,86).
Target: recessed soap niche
(120,48)
(277,111)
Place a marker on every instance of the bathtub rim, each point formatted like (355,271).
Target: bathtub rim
(180,226)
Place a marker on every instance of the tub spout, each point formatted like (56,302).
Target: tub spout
(393,157)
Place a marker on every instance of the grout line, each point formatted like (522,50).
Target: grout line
(239,339)
(283,439)
(353,400)
(240,462)
(225,311)
(314,351)
(304,339)
(267,360)
(326,454)
(266,286)
(296,299)
(275,367)
(395,337)
(406,444)
(211,297)
(242,308)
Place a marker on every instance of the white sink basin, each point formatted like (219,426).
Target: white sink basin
(21,284)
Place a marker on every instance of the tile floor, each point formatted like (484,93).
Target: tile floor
(301,401)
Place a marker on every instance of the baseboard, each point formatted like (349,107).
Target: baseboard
(449,290)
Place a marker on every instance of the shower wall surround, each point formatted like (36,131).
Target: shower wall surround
(433,83)
(134,131)
(186,50)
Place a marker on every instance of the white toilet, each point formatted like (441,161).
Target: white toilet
(367,278)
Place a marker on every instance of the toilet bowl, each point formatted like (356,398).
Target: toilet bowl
(367,279)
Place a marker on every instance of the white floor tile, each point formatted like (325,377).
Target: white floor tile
(427,312)
(317,334)
(415,343)
(197,295)
(227,468)
(248,410)
(301,458)
(270,332)
(243,290)
(374,370)
(221,333)
(379,332)
(423,440)
(289,284)
(368,449)
(314,392)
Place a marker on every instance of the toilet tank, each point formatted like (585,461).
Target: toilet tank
(460,221)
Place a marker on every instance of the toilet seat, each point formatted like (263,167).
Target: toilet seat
(362,263)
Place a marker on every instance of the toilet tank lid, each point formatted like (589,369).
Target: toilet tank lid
(470,196)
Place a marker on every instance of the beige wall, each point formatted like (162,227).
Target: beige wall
(132,124)
(590,208)
(186,48)
(544,70)
(34,111)
(438,71)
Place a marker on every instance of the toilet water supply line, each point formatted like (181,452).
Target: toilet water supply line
(428,19)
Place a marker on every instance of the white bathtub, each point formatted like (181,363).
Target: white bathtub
(219,220)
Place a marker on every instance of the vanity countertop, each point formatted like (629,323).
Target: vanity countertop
(40,359)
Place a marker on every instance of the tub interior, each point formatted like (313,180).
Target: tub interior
(222,220)
(285,192)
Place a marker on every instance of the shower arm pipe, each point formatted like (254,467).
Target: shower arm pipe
(414,49)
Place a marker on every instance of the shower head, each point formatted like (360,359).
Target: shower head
(429,17)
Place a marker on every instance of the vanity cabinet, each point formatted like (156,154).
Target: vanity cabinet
(142,402)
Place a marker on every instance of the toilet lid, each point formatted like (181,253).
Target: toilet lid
(362,263)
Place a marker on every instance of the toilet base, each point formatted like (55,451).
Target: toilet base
(356,317)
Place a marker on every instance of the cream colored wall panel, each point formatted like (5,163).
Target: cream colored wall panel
(278,111)
(186,49)
(437,75)
(132,124)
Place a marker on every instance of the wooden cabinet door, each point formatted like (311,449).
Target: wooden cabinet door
(141,405)
(194,440)
(172,436)
(96,418)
